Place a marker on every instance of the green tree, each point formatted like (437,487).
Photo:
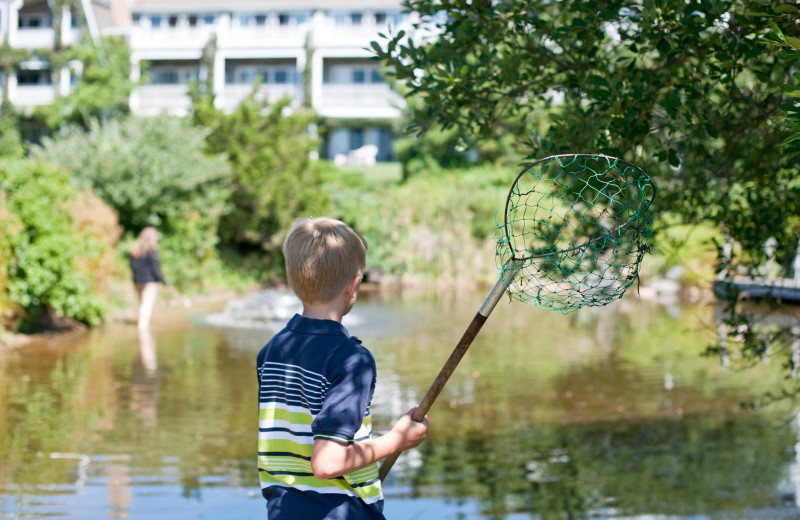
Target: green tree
(153,172)
(687,90)
(104,87)
(274,180)
(47,259)
(694,92)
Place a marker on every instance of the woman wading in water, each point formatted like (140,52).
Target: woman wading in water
(146,268)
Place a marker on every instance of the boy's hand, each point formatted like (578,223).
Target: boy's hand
(410,432)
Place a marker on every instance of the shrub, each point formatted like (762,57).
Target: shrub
(153,172)
(48,256)
(274,180)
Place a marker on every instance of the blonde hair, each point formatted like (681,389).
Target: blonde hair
(148,239)
(322,255)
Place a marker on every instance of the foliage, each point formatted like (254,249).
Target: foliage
(104,86)
(153,172)
(10,138)
(274,180)
(685,90)
(436,150)
(432,228)
(48,261)
(790,52)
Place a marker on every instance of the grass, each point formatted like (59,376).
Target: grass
(379,173)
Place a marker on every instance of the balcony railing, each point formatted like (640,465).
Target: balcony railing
(233,94)
(358,100)
(172,38)
(154,99)
(35,38)
(262,36)
(367,95)
(34,95)
(328,34)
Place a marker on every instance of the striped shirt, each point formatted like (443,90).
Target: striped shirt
(315,381)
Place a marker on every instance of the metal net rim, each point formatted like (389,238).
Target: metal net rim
(612,162)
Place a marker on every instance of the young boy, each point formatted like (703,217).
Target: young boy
(316,455)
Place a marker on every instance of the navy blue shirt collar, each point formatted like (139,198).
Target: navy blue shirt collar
(305,325)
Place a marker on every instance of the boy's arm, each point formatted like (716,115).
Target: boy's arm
(331,459)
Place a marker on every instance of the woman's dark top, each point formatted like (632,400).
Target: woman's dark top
(147,268)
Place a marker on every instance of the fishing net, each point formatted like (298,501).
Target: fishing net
(575,230)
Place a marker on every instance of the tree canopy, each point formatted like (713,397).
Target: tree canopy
(691,91)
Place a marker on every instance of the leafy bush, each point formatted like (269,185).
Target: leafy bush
(48,257)
(428,228)
(274,179)
(153,172)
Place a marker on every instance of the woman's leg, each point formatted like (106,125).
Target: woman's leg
(148,299)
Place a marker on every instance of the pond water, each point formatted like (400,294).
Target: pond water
(608,413)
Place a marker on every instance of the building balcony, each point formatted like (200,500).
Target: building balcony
(34,95)
(330,34)
(233,94)
(170,38)
(363,101)
(155,99)
(261,37)
(35,38)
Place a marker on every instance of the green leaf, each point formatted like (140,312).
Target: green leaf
(787,9)
(777,31)
(673,158)
(789,55)
(794,42)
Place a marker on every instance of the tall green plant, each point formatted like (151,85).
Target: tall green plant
(274,179)
(153,172)
(46,260)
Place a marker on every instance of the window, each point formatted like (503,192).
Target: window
(246,76)
(261,19)
(355,18)
(300,19)
(283,19)
(265,76)
(380,18)
(155,21)
(33,77)
(190,74)
(164,77)
(356,138)
(339,19)
(137,17)
(192,20)
(359,76)
(375,77)
(281,77)
(172,20)
(208,19)
(33,21)
(245,20)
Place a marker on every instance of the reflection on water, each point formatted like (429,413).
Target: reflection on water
(606,413)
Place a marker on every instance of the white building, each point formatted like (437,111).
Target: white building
(29,25)
(273,42)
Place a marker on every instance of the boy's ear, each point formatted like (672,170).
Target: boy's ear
(352,287)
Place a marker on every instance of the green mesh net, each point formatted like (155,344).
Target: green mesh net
(575,230)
